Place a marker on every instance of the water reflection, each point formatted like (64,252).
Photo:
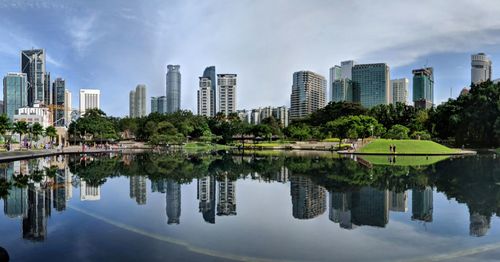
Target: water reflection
(358,196)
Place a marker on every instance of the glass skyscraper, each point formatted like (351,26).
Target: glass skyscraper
(210,74)
(173,88)
(423,87)
(370,84)
(15,93)
(159,104)
(58,99)
(33,65)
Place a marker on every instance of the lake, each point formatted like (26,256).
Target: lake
(267,206)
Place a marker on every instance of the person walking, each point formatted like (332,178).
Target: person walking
(390,148)
(394,148)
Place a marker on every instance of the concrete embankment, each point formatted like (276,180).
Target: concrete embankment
(19,155)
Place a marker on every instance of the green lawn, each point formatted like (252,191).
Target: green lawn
(406,147)
(403,160)
(199,146)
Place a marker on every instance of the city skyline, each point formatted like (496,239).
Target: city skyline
(84,45)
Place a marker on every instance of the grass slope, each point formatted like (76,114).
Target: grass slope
(406,147)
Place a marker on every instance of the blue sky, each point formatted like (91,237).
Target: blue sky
(115,45)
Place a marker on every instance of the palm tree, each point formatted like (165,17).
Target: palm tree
(20,128)
(51,132)
(5,125)
(36,131)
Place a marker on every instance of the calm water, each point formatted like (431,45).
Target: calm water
(255,208)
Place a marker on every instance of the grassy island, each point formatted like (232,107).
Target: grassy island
(408,147)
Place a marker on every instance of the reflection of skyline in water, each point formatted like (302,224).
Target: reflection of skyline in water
(216,194)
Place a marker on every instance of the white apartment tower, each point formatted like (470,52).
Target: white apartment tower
(480,68)
(308,94)
(399,89)
(137,102)
(204,97)
(67,107)
(89,99)
(226,84)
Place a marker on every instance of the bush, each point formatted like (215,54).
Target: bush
(421,135)
(398,132)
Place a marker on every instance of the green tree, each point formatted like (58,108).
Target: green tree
(21,128)
(398,132)
(36,131)
(5,125)
(298,131)
(51,132)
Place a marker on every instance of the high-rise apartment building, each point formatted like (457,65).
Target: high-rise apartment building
(281,115)
(33,65)
(173,88)
(173,208)
(15,93)
(308,94)
(89,99)
(480,68)
(423,87)
(371,84)
(210,74)
(159,104)
(227,93)
(205,97)
(399,89)
(137,102)
(58,100)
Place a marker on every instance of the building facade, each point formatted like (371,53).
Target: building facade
(211,74)
(205,97)
(137,102)
(59,102)
(159,104)
(281,115)
(67,106)
(226,84)
(15,93)
(399,89)
(480,68)
(89,99)
(341,90)
(308,94)
(371,84)
(34,114)
(173,88)
(423,87)
(33,65)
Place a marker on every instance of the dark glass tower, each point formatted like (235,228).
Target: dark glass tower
(210,73)
(173,88)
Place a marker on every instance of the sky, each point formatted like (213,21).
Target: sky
(115,45)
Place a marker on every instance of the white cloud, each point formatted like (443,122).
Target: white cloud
(82,32)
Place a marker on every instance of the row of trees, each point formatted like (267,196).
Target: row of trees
(23,129)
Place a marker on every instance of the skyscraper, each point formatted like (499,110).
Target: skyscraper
(423,87)
(399,89)
(58,100)
(39,209)
(422,204)
(159,104)
(340,81)
(67,107)
(173,202)
(308,199)
(173,88)
(371,84)
(138,189)
(480,68)
(15,93)
(47,93)
(227,93)
(137,102)
(205,97)
(210,74)
(33,65)
(308,94)
(281,115)
(370,207)
(89,99)
(226,205)
(206,196)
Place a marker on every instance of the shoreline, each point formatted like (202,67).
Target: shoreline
(29,154)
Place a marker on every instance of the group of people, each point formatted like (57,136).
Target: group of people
(392,148)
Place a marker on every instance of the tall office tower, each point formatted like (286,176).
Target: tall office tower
(479,224)
(47,93)
(89,192)
(159,104)
(173,202)
(131,104)
(370,207)
(173,88)
(210,74)
(480,68)
(59,191)
(89,99)
(340,81)
(399,89)
(59,102)
(371,84)
(16,202)
(308,94)
(67,107)
(226,205)
(398,201)
(281,115)
(205,97)
(308,199)
(15,93)
(33,65)
(39,209)
(137,102)
(138,189)
(423,87)
(422,204)
(227,93)
(340,209)
(206,196)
